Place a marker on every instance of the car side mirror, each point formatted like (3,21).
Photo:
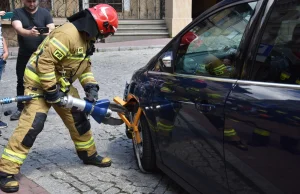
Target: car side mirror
(166,61)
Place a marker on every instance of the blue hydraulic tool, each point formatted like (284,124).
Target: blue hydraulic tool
(100,110)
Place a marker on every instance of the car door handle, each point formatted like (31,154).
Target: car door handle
(205,107)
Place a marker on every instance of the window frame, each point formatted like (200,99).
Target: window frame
(258,36)
(174,43)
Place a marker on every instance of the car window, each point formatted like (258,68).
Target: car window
(210,47)
(278,55)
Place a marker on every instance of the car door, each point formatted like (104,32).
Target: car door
(189,102)
(263,108)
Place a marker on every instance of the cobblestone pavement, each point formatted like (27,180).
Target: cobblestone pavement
(53,163)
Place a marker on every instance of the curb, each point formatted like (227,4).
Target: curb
(14,54)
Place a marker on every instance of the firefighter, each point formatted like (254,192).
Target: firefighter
(62,58)
(224,68)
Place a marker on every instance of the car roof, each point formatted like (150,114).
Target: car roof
(220,4)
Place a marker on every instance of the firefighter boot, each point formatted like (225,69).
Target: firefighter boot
(98,161)
(8,183)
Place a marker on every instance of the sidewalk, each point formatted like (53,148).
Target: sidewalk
(27,186)
(116,46)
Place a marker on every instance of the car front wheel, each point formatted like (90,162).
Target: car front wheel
(144,151)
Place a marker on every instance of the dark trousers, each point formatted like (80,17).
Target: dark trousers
(20,68)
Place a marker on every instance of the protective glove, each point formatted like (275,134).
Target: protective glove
(91,92)
(54,95)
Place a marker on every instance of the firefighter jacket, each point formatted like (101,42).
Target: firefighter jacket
(62,53)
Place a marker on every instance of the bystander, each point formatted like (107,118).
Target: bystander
(3,58)
(25,21)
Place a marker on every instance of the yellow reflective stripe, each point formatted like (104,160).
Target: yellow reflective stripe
(13,156)
(78,57)
(44,42)
(229,133)
(84,145)
(280,112)
(47,76)
(59,45)
(75,58)
(164,127)
(32,59)
(85,76)
(194,89)
(32,75)
(30,67)
(221,67)
(165,89)
(295,117)
(262,132)
(284,76)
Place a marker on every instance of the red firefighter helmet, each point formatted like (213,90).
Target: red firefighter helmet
(106,18)
(188,38)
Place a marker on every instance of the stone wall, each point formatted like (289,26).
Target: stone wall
(9,33)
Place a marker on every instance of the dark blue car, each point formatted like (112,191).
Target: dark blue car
(221,102)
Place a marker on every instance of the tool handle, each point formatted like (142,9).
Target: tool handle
(18,99)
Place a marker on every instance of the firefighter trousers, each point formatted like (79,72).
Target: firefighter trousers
(31,123)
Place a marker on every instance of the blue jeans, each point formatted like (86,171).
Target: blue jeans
(2,65)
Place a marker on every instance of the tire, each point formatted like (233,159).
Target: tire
(128,134)
(148,157)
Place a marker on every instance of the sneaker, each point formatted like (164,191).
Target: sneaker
(98,161)
(9,184)
(15,116)
(2,125)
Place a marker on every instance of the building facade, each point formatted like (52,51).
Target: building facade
(176,13)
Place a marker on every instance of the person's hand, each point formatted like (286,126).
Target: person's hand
(45,34)
(34,32)
(91,92)
(4,56)
(55,96)
(2,13)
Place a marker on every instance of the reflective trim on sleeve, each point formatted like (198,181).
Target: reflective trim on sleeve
(85,145)
(78,57)
(30,74)
(13,156)
(44,42)
(47,76)
(165,127)
(59,46)
(221,67)
(229,133)
(219,70)
(32,59)
(85,76)
(262,132)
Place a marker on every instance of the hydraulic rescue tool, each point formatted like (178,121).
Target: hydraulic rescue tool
(100,110)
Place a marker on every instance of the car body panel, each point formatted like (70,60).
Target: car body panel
(271,158)
(189,127)
(188,114)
